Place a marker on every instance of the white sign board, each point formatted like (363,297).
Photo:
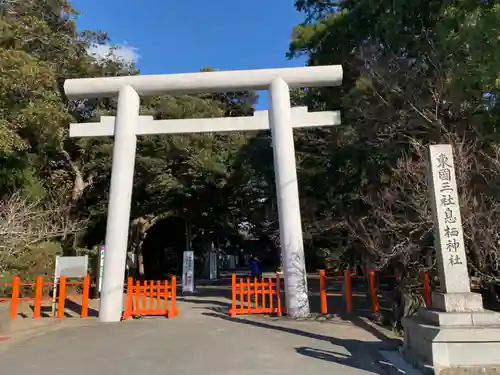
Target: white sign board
(101,266)
(188,272)
(76,266)
(213,265)
(231,262)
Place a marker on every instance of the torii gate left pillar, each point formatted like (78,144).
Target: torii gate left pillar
(278,82)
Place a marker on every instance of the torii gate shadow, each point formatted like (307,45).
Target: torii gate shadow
(353,346)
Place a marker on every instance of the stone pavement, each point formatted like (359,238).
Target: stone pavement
(202,340)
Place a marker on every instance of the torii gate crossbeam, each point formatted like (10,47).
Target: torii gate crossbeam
(146,125)
(278,82)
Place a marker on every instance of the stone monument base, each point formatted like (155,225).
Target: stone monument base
(449,343)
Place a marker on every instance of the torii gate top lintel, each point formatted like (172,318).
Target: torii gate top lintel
(218,81)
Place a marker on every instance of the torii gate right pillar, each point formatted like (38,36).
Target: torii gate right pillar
(287,193)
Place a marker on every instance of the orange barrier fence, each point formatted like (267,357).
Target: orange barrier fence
(427,289)
(151,298)
(373,289)
(372,280)
(257,296)
(40,296)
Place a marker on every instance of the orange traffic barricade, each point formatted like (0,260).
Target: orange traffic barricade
(40,295)
(151,298)
(256,296)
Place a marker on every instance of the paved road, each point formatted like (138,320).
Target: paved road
(200,341)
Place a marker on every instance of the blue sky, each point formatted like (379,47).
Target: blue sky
(180,36)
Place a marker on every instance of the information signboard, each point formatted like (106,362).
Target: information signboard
(101,266)
(213,261)
(74,267)
(188,272)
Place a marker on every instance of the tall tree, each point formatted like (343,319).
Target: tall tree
(41,47)
(415,73)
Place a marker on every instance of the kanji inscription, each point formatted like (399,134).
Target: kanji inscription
(448,224)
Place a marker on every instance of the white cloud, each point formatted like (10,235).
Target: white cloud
(121,52)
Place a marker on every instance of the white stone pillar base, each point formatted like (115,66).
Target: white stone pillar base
(449,343)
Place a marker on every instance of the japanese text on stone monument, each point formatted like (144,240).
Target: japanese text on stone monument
(449,241)
(450,208)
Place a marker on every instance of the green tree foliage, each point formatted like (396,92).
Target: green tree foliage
(189,176)
(415,73)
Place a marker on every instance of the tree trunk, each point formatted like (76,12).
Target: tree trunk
(79,186)
(407,299)
(138,232)
(137,235)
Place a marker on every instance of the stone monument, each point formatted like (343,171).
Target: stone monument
(456,335)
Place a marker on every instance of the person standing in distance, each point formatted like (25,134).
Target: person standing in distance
(255,268)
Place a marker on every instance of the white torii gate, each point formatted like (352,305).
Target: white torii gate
(128,124)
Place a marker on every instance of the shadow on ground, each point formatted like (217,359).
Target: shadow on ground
(72,309)
(358,350)
(363,355)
